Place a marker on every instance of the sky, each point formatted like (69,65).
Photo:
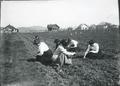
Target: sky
(65,13)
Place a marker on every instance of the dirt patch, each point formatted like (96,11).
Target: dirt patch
(84,72)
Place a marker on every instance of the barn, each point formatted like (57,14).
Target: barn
(10,29)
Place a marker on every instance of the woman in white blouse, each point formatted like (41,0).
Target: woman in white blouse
(72,45)
(44,53)
(92,50)
(61,55)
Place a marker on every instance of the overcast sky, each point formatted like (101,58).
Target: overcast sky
(65,13)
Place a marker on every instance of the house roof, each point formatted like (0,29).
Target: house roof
(9,26)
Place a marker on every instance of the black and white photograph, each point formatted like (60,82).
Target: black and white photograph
(59,43)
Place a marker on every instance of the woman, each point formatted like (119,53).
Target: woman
(44,53)
(72,45)
(61,55)
(92,50)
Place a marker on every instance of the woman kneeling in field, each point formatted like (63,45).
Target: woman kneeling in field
(92,50)
(61,55)
(73,45)
(44,53)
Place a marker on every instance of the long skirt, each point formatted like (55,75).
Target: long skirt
(94,55)
(46,57)
(74,49)
(63,59)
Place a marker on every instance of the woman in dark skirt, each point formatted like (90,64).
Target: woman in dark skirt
(92,50)
(44,54)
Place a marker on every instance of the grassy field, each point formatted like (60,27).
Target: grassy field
(17,48)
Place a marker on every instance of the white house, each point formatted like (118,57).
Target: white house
(9,29)
(82,27)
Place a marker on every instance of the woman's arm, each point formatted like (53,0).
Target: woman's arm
(66,52)
(96,49)
(86,52)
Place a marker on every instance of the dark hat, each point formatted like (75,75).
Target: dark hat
(56,40)
(64,42)
(91,42)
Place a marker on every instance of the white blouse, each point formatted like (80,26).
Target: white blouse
(74,43)
(60,50)
(43,47)
(94,48)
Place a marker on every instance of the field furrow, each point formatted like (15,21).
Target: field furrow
(16,70)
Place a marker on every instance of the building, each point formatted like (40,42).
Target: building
(82,27)
(10,29)
(53,27)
